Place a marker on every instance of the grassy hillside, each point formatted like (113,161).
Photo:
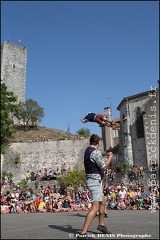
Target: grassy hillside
(39,134)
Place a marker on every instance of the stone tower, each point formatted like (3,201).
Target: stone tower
(107,131)
(13,68)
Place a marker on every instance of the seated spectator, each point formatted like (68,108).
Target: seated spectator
(66,204)
(132,175)
(8,197)
(113,204)
(128,202)
(84,196)
(15,195)
(121,204)
(47,201)
(36,202)
(137,193)
(108,201)
(4,208)
(68,196)
(122,193)
(118,187)
(60,204)
(57,172)
(144,193)
(20,207)
(78,196)
(18,189)
(80,188)
(73,206)
(69,187)
(42,206)
(73,195)
(112,194)
(57,194)
(124,186)
(3,198)
(133,203)
(11,206)
(63,168)
(78,205)
(84,205)
(50,171)
(22,196)
(112,174)
(112,187)
(136,186)
(140,202)
(27,205)
(57,207)
(32,195)
(129,192)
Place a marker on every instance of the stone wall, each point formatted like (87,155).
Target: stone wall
(34,156)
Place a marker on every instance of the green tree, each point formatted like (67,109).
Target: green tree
(74,177)
(84,132)
(30,113)
(121,167)
(9,107)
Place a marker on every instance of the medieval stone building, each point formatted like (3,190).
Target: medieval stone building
(139,134)
(13,68)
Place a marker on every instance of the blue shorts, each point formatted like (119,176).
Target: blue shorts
(95,188)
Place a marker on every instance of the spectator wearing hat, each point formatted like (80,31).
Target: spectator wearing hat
(130,192)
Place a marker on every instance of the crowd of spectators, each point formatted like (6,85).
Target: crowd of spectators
(45,173)
(136,173)
(48,199)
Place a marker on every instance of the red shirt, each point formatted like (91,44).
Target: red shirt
(37,201)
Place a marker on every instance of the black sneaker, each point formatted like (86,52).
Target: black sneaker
(103,229)
(106,215)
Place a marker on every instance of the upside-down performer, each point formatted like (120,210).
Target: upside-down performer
(101,120)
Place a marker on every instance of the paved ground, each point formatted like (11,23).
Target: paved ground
(124,225)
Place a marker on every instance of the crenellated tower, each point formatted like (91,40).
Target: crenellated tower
(13,68)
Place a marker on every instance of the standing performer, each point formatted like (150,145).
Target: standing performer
(95,167)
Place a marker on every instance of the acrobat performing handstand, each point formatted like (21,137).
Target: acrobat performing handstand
(101,120)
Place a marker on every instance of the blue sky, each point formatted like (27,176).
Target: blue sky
(84,56)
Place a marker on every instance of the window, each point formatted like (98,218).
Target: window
(139,124)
